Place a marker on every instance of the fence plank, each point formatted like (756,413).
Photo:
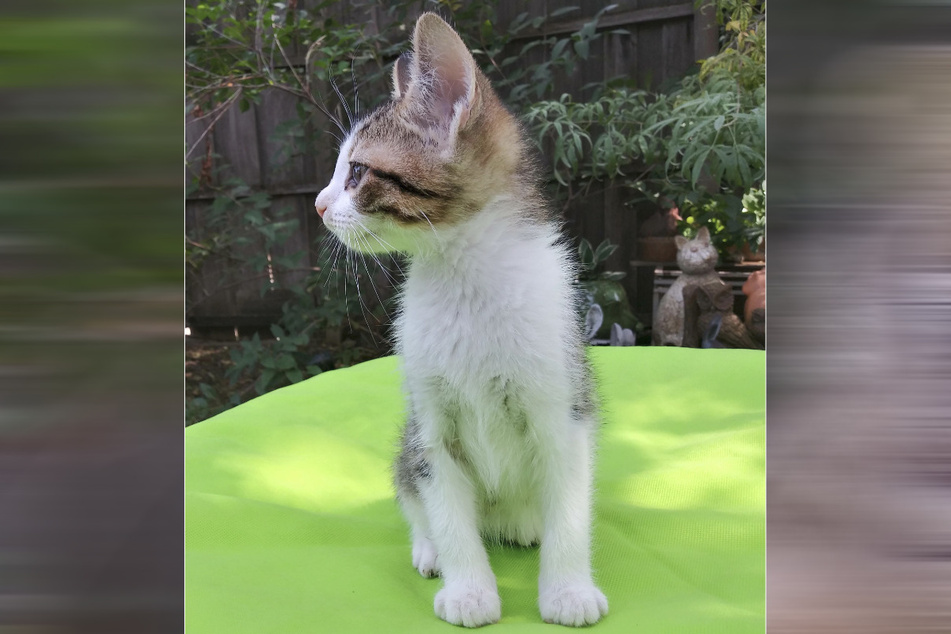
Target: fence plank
(280,165)
(678,48)
(236,139)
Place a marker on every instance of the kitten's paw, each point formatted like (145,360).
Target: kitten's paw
(425,557)
(575,604)
(468,604)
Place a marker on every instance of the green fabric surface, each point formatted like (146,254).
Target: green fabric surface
(292,526)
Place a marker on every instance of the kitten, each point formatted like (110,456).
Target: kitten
(697,259)
(499,440)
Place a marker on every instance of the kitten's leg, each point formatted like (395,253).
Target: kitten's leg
(566,592)
(469,596)
(411,468)
(425,555)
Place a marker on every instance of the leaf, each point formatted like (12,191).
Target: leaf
(562,11)
(718,123)
(284,361)
(261,385)
(598,15)
(581,48)
(208,391)
(585,253)
(604,251)
(697,167)
(559,48)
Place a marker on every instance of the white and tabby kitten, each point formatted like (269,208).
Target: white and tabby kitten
(499,440)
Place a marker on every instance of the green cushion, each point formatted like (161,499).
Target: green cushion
(291,524)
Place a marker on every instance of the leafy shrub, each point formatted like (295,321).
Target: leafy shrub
(700,146)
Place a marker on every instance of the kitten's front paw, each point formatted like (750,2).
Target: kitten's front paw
(575,604)
(425,557)
(468,604)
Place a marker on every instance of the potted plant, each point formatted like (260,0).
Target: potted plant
(737,225)
(655,241)
(700,145)
(604,289)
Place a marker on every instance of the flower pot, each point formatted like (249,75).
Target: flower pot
(612,298)
(754,256)
(657,249)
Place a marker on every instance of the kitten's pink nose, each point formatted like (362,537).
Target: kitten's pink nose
(321,210)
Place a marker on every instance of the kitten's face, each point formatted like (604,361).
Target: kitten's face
(697,255)
(429,157)
(389,189)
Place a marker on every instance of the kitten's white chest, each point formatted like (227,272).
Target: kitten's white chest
(491,305)
(482,334)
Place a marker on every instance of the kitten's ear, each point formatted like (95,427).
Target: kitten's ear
(703,235)
(442,86)
(401,74)
(680,241)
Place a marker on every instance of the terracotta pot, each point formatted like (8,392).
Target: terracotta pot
(657,249)
(750,256)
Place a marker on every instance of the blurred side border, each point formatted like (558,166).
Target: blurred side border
(91,316)
(859,295)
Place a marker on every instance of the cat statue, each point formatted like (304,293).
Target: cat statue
(697,259)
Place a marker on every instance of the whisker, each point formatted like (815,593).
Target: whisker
(430,223)
(373,286)
(356,90)
(333,266)
(343,102)
(323,109)
(328,243)
(370,276)
(388,247)
(383,243)
(363,306)
(346,294)
(334,135)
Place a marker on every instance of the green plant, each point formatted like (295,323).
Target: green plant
(277,363)
(591,262)
(208,404)
(603,288)
(700,146)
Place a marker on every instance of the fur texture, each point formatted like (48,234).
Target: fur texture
(499,440)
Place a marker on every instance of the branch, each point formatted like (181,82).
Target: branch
(223,108)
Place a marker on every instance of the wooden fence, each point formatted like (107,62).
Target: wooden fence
(665,38)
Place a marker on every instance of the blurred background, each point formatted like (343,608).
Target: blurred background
(859,363)
(90,317)
(93,293)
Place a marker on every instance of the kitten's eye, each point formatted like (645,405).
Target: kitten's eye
(357,172)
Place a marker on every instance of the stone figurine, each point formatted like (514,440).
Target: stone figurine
(697,259)
(711,320)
